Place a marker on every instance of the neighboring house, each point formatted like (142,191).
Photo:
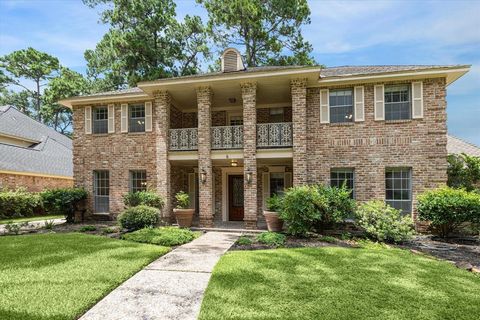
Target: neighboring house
(233,138)
(458,146)
(32,155)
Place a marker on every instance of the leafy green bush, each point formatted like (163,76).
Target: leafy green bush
(315,206)
(463,171)
(63,201)
(138,217)
(383,223)
(109,230)
(274,203)
(164,236)
(447,208)
(145,198)
(14,228)
(18,203)
(183,200)
(87,228)
(328,239)
(272,238)
(244,241)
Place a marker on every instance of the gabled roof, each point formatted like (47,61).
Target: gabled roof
(49,154)
(457,146)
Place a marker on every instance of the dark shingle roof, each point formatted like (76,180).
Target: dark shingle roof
(346,71)
(52,155)
(457,146)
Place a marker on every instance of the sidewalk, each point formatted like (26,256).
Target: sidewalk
(171,287)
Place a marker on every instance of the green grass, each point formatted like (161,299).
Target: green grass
(339,283)
(164,236)
(28,219)
(60,276)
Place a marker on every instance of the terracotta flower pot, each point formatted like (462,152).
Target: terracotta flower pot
(184,217)
(274,223)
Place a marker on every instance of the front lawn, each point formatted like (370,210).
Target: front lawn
(29,219)
(60,276)
(339,283)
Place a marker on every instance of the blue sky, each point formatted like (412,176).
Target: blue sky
(342,33)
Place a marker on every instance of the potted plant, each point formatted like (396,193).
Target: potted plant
(183,214)
(274,205)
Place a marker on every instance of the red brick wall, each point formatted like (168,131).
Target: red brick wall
(32,183)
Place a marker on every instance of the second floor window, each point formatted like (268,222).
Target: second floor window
(341,105)
(276,115)
(136,118)
(397,102)
(100,120)
(138,180)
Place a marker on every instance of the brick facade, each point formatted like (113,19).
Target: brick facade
(33,183)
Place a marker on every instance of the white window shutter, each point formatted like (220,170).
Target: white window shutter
(191,189)
(417,100)
(266,188)
(88,120)
(111,118)
(379,100)
(148,116)
(359,103)
(124,122)
(288,180)
(324,106)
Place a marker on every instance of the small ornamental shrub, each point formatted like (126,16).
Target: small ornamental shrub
(63,201)
(18,203)
(274,203)
(272,238)
(383,223)
(164,236)
(244,241)
(447,208)
(328,239)
(312,207)
(146,198)
(14,228)
(108,230)
(49,224)
(183,200)
(87,228)
(138,217)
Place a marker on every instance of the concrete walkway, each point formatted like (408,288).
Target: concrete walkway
(171,287)
(33,225)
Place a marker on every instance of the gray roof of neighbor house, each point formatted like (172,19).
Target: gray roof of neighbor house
(457,146)
(49,154)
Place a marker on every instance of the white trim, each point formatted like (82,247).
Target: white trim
(379,103)
(325,106)
(111,117)
(417,99)
(226,171)
(88,120)
(360,103)
(274,153)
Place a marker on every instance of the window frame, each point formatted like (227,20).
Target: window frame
(345,171)
(351,106)
(132,178)
(105,176)
(391,104)
(391,201)
(99,124)
(131,120)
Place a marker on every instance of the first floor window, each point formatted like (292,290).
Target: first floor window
(277,183)
(138,180)
(343,177)
(136,118)
(341,105)
(101,191)
(100,120)
(398,188)
(397,102)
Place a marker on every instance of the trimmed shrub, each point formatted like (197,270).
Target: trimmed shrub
(63,201)
(145,198)
(87,228)
(447,208)
(383,223)
(275,203)
(244,241)
(272,238)
(312,207)
(18,203)
(138,217)
(164,236)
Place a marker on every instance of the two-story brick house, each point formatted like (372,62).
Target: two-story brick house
(233,138)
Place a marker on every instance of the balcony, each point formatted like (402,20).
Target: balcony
(183,139)
(274,135)
(227,137)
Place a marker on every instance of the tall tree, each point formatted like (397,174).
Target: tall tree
(268,31)
(69,83)
(32,65)
(145,42)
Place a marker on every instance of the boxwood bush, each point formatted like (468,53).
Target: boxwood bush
(63,201)
(139,217)
(447,208)
(146,198)
(272,238)
(19,203)
(383,223)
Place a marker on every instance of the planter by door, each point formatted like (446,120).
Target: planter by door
(184,217)
(274,223)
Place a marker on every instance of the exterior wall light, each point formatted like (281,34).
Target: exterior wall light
(203,176)
(234,163)
(249,177)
